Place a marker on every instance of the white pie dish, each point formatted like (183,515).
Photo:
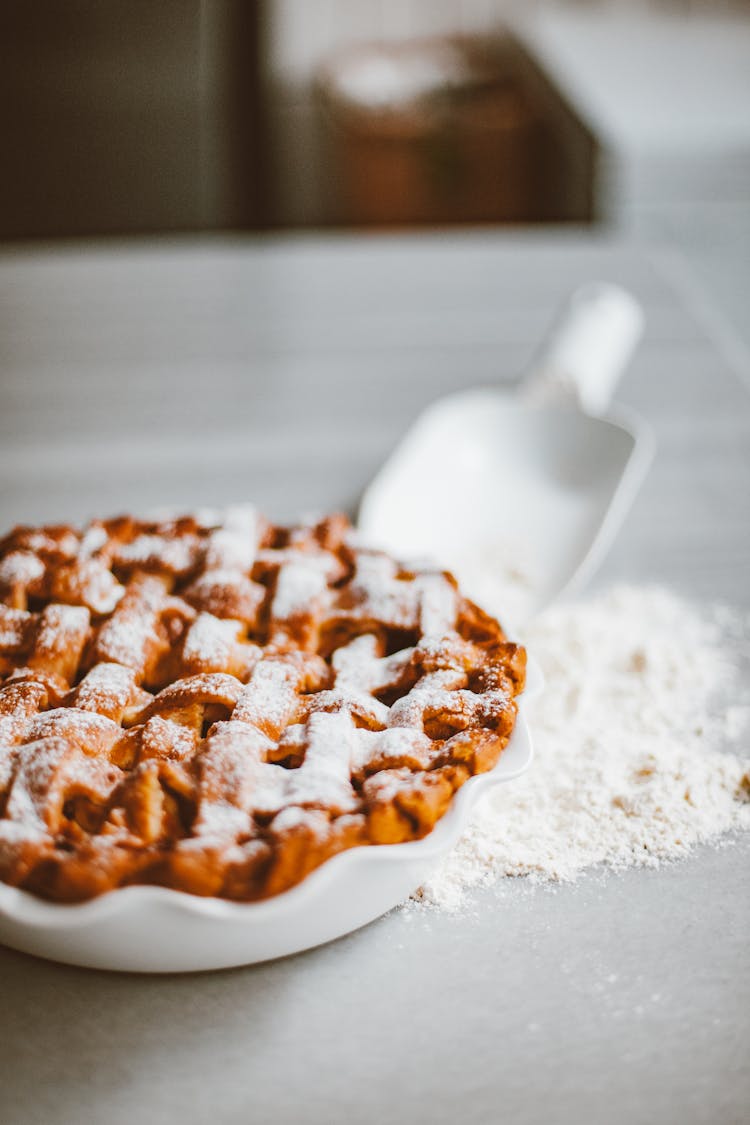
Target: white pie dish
(157,930)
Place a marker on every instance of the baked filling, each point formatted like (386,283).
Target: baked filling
(217,704)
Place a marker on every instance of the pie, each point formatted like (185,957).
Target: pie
(216,704)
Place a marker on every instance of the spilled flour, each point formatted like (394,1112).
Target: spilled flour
(639,738)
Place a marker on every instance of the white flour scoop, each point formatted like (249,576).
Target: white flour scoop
(522,492)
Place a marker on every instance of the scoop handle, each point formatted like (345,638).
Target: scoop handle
(588,349)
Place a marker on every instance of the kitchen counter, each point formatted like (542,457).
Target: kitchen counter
(664,92)
(189,372)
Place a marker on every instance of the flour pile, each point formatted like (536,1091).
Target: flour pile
(645,695)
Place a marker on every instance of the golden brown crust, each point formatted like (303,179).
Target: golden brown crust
(216,704)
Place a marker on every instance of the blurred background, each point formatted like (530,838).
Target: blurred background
(196,115)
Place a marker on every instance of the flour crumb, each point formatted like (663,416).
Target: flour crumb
(641,739)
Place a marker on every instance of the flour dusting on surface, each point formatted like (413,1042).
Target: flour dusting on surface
(641,739)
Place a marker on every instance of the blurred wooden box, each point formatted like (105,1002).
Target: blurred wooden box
(430,131)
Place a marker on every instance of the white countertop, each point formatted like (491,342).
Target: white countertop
(195,372)
(652,82)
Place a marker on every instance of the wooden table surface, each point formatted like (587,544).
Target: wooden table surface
(192,372)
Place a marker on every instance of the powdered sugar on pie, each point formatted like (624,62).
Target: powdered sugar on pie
(217,704)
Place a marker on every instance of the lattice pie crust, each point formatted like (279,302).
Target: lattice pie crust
(216,704)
